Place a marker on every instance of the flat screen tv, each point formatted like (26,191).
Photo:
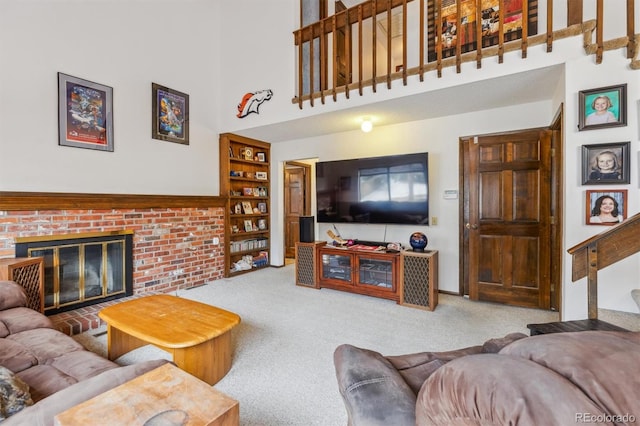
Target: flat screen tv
(390,190)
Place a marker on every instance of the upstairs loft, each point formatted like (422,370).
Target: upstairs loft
(377,42)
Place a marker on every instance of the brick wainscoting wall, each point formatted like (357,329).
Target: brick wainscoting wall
(173,237)
(173,248)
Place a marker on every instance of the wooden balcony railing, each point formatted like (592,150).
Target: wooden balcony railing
(392,42)
(600,251)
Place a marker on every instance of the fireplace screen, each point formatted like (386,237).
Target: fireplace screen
(82,271)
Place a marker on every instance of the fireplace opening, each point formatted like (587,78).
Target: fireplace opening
(82,269)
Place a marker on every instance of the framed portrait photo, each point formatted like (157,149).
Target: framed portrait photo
(606,207)
(602,107)
(85,114)
(170,115)
(605,163)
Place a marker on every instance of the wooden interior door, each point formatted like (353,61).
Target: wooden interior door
(296,203)
(508,194)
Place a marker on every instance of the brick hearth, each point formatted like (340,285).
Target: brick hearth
(85,319)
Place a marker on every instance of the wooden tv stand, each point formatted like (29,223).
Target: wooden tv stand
(369,272)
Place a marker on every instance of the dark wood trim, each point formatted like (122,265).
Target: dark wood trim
(12,201)
(574,12)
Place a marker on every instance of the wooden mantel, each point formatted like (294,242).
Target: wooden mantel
(602,250)
(16,201)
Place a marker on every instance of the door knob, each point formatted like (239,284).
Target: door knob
(470,226)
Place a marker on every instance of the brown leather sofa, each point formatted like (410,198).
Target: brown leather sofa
(551,379)
(59,372)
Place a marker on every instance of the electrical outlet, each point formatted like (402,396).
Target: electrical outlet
(434,220)
(216,241)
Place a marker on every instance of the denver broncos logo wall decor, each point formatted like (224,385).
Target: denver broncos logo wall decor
(252,101)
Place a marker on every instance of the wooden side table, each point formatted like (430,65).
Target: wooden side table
(29,273)
(166,395)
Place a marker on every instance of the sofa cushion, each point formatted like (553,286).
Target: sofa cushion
(43,413)
(15,356)
(495,389)
(601,363)
(367,382)
(13,295)
(20,319)
(45,343)
(14,394)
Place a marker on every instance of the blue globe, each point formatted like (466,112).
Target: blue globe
(418,241)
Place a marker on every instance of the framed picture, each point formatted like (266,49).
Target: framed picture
(262,207)
(85,114)
(247,192)
(606,207)
(262,224)
(170,115)
(248,153)
(466,25)
(605,163)
(603,107)
(246,207)
(262,156)
(237,209)
(248,227)
(261,175)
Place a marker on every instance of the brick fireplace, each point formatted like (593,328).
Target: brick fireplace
(177,240)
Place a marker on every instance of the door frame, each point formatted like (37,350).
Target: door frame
(557,173)
(307,197)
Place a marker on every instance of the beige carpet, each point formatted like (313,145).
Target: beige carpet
(282,371)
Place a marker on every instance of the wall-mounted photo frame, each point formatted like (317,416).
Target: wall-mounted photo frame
(606,207)
(606,163)
(85,113)
(602,107)
(170,115)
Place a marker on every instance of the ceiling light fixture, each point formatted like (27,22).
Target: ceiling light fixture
(366,125)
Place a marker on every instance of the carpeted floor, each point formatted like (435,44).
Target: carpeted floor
(282,370)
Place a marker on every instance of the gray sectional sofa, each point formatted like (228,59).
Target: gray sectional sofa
(58,372)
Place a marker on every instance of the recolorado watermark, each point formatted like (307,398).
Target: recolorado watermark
(605,418)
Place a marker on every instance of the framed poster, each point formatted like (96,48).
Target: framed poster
(170,116)
(605,163)
(85,114)
(603,107)
(606,207)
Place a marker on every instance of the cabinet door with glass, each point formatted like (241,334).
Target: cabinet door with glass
(337,268)
(377,274)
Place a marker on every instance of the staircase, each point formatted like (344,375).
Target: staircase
(602,250)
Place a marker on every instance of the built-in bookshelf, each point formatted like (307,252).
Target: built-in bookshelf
(244,181)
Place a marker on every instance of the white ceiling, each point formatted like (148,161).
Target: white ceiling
(514,89)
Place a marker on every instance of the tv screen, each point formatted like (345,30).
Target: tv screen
(390,190)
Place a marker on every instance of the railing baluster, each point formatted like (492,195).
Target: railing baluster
(347,52)
(421,53)
(300,61)
(374,11)
(404,42)
(335,59)
(438,24)
(549,25)
(525,28)
(458,38)
(360,49)
(599,30)
(323,61)
(501,31)
(631,46)
(311,72)
(389,30)
(478,33)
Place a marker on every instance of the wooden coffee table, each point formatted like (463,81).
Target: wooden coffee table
(166,395)
(196,334)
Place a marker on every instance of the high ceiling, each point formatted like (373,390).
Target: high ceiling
(521,88)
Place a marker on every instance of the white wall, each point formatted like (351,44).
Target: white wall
(440,138)
(125,45)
